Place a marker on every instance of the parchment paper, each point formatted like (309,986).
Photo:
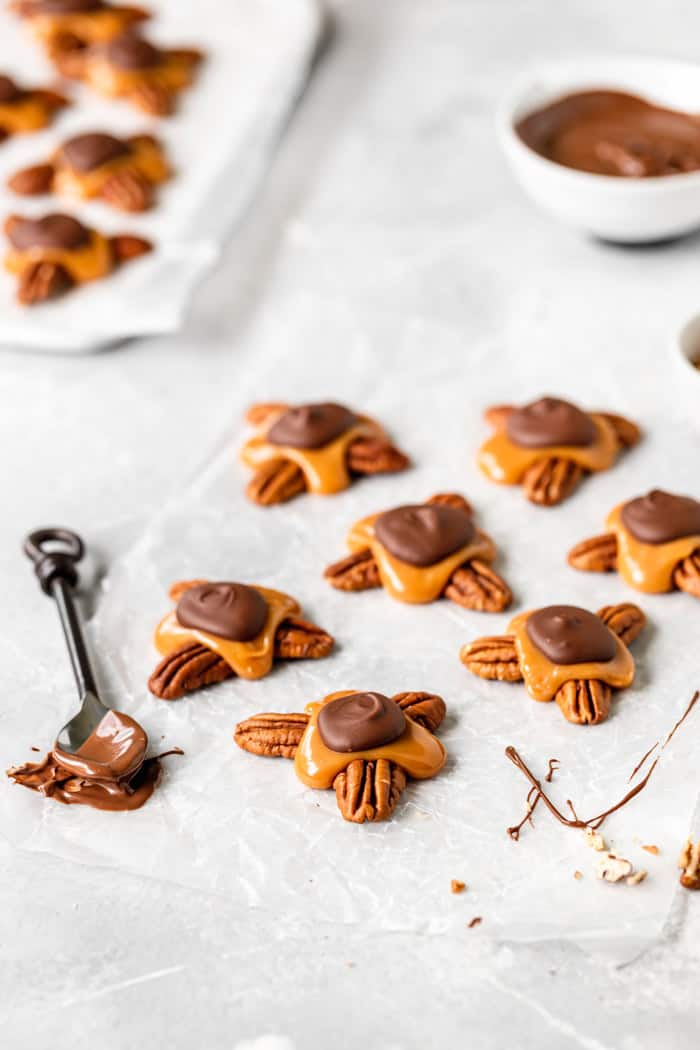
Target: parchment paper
(244,827)
(219,142)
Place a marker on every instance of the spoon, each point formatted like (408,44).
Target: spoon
(116,744)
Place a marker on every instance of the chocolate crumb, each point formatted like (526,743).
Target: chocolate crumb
(476,921)
(457,887)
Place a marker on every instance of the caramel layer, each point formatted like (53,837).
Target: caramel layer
(27,114)
(505,462)
(84,264)
(251,659)
(648,566)
(325,469)
(92,27)
(144,158)
(543,678)
(412,583)
(417,752)
(171,73)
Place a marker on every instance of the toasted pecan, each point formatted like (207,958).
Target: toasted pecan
(627,433)
(357,572)
(584,702)
(686,574)
(597,554)
(33,181)
(475,585)
(127,191)
(264,412)
(366,455)
(626,620)
(497,416)
(154,99)
(494,657)
(190,667)
(277,481)
(549,481)
(297,639)
(451,499)
(41,281)
(369,790)
(427,709)
(126,247)
(276,735)
(689,863)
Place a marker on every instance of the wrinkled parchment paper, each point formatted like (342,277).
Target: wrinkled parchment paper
(244,827)
(219,142)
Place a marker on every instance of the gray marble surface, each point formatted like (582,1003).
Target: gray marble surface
(389,185)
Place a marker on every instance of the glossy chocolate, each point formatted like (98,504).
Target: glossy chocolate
(87,152)
(550,421)
(660,517)
(65,7)
(360,722)
(613,133)
(130,51)
(228,610)
(114,751)
(9,92)
(311,426)
(424,533)
(566,634)
(53,231)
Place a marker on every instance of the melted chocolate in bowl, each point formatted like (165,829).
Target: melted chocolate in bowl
(53,231)
(114,751)
(566,634)
(550,421)
(360,722)
(424,533)
(130,51)
(614,133)
(660,517)
(87,152)
(311,426)
(9,92)
(228,610)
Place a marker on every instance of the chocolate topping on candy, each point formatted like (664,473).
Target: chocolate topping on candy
(53,231)
(360,722)
(65,7)
(9,91)
(228,610)
(311,426)
(87,152)
(566,634)
(423,534)
(660,517)
(130,51)
(550,421)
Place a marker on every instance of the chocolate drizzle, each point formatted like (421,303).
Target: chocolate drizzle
(360,722)
(424,533)
(549,422)
(566,635)
(130,51)
(86,152)
(9,92)
(311,426)
(228,610)
(53,231)
(661,517)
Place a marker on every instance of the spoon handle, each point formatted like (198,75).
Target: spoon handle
(55,554)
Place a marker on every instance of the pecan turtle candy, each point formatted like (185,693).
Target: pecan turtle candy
(65,27)
(563,653)
(317,448)
(51,255)
(421,552)
(653,541)
(131,68)
(121,172)
(217,630)
(363,745)
(550,445)
(23,110)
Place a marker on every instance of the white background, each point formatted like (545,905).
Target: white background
(388,249)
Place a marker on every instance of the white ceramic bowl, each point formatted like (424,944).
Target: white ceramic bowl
(615,208)
(685,348)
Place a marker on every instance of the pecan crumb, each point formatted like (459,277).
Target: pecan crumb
(594,839)
(457,887)
(689,863)
(612,868)
(634,880)
(654,850)
(476,921)
(578,875)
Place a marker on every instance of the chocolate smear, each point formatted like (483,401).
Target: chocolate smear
(229,610)
(311,426)
(360,722)
(424,533)
(660,517)
(549,422)
(566,634)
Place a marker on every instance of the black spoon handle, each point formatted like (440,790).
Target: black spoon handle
(55,554)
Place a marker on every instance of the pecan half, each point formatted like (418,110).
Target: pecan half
(126,247)
(375,456)
(67,53)
(357,572)
(51,100)
(451,499)
(259,414)
(41,281)
(584,702)
(497,416)
(689,862)
(549,481)
(626,620)
(298,639)
(597,554)
(686,574)
(627,433)
(369,790)
(190,667)
(31,182)
(154,99)
(127,191)
(475,585)
(494,657)
(271,734)
(276,482)
(427,709)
